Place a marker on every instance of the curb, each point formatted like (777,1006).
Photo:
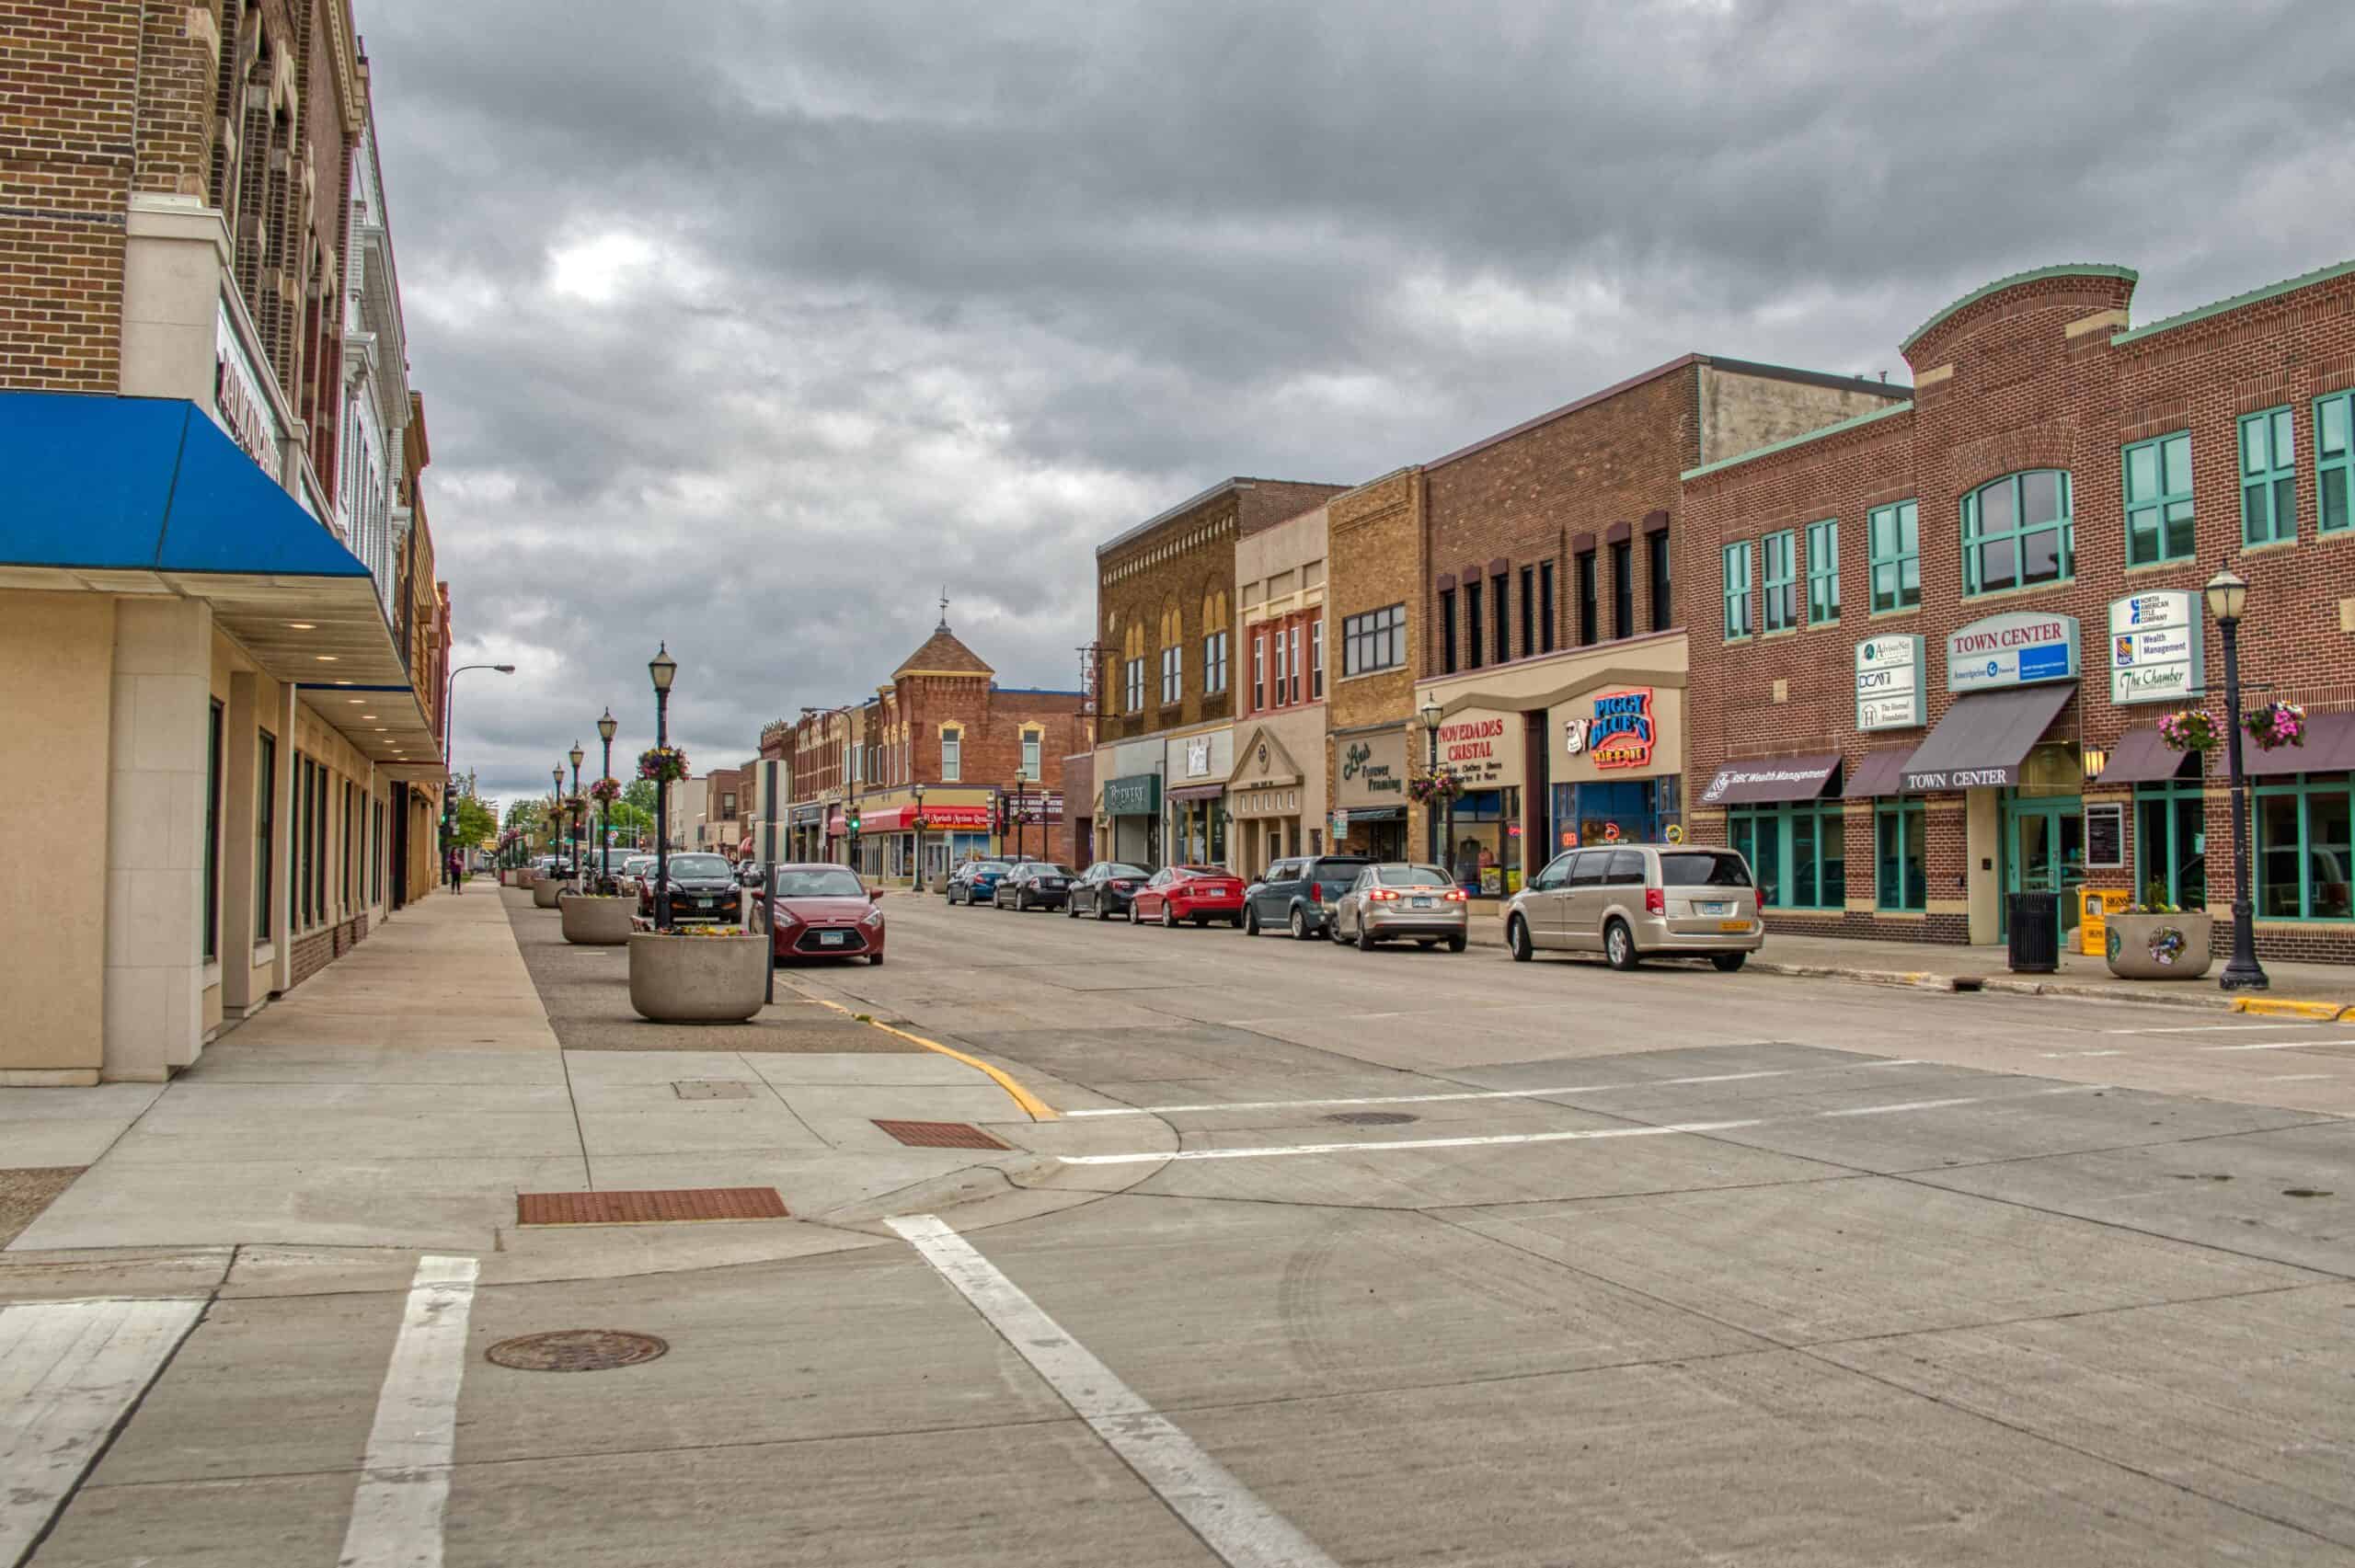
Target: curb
(2283,1007)
(1038,1110)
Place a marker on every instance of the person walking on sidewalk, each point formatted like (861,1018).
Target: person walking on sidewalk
(456,865)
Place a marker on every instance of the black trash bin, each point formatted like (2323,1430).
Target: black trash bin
(2035,921)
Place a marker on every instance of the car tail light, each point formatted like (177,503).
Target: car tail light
(1457,896)
(1655,901)
(1119,886)
(1382,896)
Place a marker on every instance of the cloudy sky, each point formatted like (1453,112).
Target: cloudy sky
(750,324)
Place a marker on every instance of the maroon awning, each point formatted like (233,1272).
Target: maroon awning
(1756,780)
(1878,773)
(1196,792)
(2329,748)
(2142,756)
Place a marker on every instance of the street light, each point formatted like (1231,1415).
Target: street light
(606,727)
(1430,716)
(449,795)
(916,877)
(556,816)
(2227,597)
(579,865)
(663,668)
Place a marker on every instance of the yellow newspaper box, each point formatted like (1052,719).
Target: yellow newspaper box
(2094,906)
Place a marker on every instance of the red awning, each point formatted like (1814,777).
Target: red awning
(2140,757)
(746,847)
(1878,773)
(1196,792)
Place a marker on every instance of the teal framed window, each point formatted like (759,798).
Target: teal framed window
(1739,624)
(2016,533)
(1781,582)
(1797,852)
(1892,534)
(2158,500)
(2333,438)
(1902,856)
(2269,477)
(2171,843)
(1823,571)
(2304,849)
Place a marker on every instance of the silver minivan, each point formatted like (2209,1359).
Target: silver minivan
(1630,901)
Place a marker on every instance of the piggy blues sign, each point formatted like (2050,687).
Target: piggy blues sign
(2017,649)
(1619,735)
(2155,648)
(1889,682)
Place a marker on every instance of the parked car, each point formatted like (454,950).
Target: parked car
(702,892)
(632,871)
(1034,884)
(1106,889)
(1293,894)
(748,873)
(1197,893)
(975,882)
(1395,899)
(1630,901)
(822,911)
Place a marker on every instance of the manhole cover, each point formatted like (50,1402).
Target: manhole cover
(661,1207)
(1370,1118)
(576,1350)
(939,1135)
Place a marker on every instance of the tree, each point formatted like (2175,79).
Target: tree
(630,822)
(640,793)
(476,821)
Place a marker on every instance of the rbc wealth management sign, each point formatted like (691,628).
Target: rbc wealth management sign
(2157,648)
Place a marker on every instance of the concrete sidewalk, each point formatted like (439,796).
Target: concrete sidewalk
(406,1095)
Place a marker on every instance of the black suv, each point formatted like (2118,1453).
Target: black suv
(1293,894)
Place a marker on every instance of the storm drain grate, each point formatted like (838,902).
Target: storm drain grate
(939,1135)
(649,1208)
(576,1350)
(1370,1118)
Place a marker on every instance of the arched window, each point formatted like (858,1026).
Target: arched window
(1215,644)
(1173,655)
(2016,533)
(1133,670)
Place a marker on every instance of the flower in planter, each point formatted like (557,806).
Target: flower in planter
(2190,729)
(2275,724)
(663,764)
(1426,789)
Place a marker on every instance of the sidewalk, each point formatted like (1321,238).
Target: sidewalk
(405,1096)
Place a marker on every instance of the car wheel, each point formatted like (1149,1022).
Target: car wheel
(1365,937)
(1168,915)
(1727,963)
(1517,939)
(1234,921)
(1427,943)
(1134,918)
(1022,902)
(1201,923)
(1457,943)
(875,958)
(1102,912)
(1251,921)
(1071,909)
(1619,945)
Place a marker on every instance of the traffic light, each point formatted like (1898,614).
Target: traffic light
(851,821)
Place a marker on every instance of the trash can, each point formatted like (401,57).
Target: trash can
(2034,922)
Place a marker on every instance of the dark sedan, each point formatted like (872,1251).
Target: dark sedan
(702,892)
(976,882)
(1034,884)
(822,911)
(1106,889)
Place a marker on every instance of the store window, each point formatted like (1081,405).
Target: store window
(265,832)
(2305,857)
(2334,475)
(1587,616)
(1901,855)
(213,835)
(2269,477)
(1546,632)
(2171,843)
(1823,571)
(1737,586)
(952,755)
(2016,533)
(2158,500)
(1797,852)
(1894,537)
(1656,560)
(1375,640)
(1623,589)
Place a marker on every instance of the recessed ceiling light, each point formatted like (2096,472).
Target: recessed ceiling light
(355,702)
(324,658)
(302,625)
(343,682)
(367,715)
(383,731)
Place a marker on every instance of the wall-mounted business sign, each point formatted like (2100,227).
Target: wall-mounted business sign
(2018,649)
(1373,770)
(1889,682)
(1139,795)
(2156,645)
(1483,750)
(1620,733)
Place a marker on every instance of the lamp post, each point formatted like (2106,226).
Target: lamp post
(2227,597)
(579,861)
(915,874)
(449,802)
(663,668)
(1430,716)
(556,816)
(606,727)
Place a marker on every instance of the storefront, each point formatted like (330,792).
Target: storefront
(1618,764)
(1276,791)
(806,832)
(1196,768)
(1485,752)
(1370,772)
(1131,815)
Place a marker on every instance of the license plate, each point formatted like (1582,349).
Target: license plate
(1048,882)
(705,903)
(1717,909)
(1733,925)
(833,938)
(1422,903)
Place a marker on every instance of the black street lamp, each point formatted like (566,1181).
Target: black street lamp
(556,816)
(606,727)
(2227,597)
(915,872)
(663,668)
(579,861)
(1430,716)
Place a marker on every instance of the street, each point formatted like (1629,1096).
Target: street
(1331,1258)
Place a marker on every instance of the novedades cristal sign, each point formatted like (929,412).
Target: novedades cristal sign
(1482,750)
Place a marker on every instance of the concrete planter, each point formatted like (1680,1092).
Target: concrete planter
(525,876)
(697,979)
(545,892)
(2159,947)
(597,922)
(506,876)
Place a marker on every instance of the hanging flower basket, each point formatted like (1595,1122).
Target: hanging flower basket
(606,791)
(2190,729)
(2275,724)
(663,764)
(1426,789)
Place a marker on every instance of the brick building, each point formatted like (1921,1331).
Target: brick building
(224,654)
(1276,792)
(1936,640)
(1551,644)
(1166,671)
(1374,573)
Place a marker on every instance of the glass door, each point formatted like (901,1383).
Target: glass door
(2044,850)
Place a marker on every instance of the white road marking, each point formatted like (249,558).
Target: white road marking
(405,1475)
(1383,1146)
(1482,1094)
(2309,1043)
(2199,1029)
(1232,1521)
(2065,1055)
(68,1371)
(2296,1077)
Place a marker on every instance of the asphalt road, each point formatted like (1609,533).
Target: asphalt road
(1387,1258)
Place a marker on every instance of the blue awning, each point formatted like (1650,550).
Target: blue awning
(96,483)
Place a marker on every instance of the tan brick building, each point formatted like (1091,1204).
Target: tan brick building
(1376,569)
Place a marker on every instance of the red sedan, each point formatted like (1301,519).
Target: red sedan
(822,911)
(1197,893)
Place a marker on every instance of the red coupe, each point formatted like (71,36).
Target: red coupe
(822,911)
(1197,893)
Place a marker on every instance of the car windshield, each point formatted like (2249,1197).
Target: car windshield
(832,884)
(1043,869)
(1411,876)
(1203,871)
(1117,869)
(1702,868)
(698,865)
(991,868)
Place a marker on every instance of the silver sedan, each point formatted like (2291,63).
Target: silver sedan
(1396,900)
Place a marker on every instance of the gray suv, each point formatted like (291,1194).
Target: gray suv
(1630,901)
(1295,895)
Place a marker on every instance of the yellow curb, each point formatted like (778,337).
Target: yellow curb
(1036,1109)
(2282,1007)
